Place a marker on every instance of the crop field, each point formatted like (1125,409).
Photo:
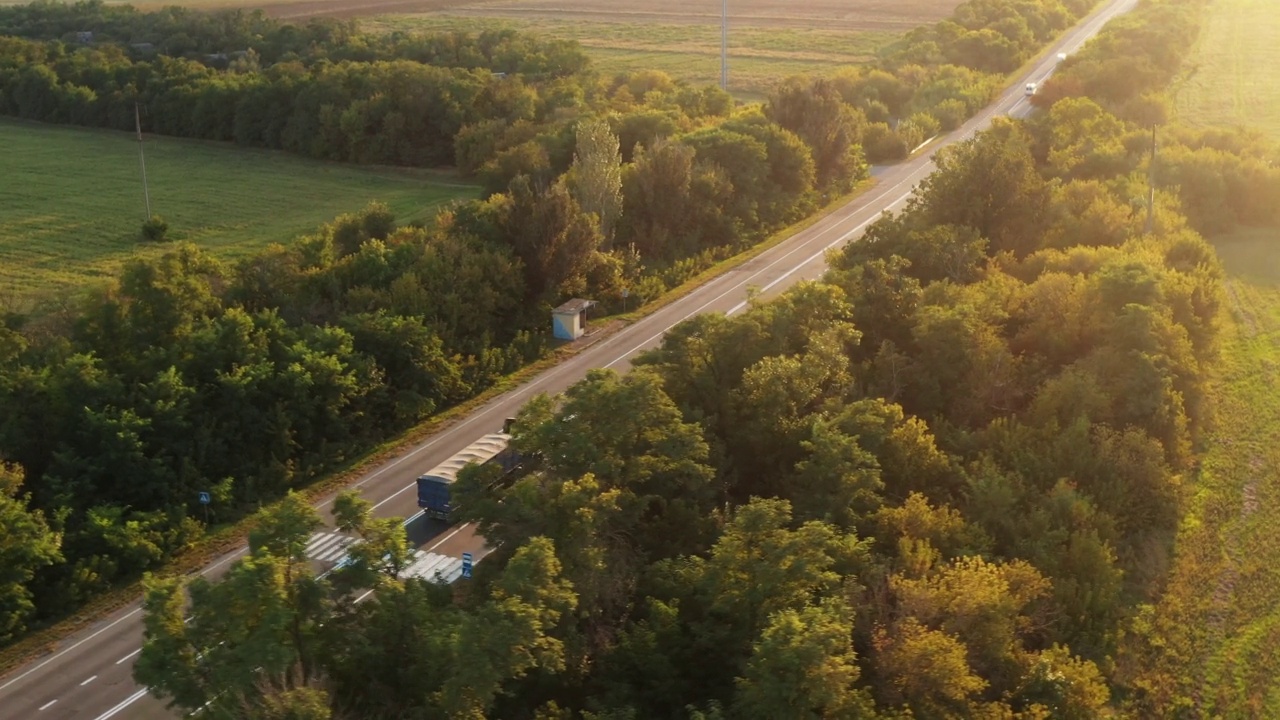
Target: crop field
(768,39)
(1218,625)
(71,202)
(1232,80)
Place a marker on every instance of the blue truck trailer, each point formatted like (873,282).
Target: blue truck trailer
(434,486)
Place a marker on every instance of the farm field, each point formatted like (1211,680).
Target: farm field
(758,57)
(1218,627)
(769,39)
(1232,78)
(71,203)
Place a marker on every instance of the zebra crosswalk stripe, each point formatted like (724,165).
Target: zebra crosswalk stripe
(327,547)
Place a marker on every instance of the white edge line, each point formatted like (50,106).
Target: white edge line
(1092,30)
(77,644)
(123,704)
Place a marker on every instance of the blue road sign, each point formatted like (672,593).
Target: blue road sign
(466,565)
(205,499)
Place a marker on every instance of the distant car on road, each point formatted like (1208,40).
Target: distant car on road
(1062,56)
(1031,89)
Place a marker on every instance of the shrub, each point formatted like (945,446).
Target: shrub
(155,229)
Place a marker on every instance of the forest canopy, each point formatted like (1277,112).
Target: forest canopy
(249,379)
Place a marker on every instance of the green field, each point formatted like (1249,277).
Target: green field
(1218,626)
(758,57)
(71,200)
(1232,77)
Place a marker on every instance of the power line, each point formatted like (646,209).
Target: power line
(1151,183)
(142,160)
(724,44)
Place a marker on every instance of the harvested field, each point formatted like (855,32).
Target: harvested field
(895,16)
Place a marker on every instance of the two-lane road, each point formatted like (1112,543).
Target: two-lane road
(89,676)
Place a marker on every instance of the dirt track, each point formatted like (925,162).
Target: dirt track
(890,15)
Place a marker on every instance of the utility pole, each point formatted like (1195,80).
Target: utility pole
(724,44)
(1151,184)
(142,160)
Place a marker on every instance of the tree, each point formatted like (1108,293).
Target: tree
(510,634)
(27,544)
(990,184)
(982,604)
(551,234)
(814,110)
(384,551)
(924,670)
(251,632)
(597,175)
(803,666)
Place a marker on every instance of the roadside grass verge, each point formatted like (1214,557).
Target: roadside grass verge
(71,200)
(1231,76)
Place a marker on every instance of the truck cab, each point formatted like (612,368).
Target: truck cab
(1031,89)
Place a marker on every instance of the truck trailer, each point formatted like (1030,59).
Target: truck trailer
(434,486)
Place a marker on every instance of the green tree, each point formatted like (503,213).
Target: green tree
(384,551)
(813,109)
(551,234)
(803,666)
(597,175)
(251,632)
(924,670)
(1011,198)
(511,633)
(27,544)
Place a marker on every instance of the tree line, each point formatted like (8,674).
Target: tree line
(1220,178)
(327,90)
(182,32)
(940,482)
(187,375)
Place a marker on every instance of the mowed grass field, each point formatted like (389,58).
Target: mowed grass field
(1218,625)
(1232,79)
(71,201)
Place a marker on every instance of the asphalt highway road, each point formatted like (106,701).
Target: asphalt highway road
(89,676)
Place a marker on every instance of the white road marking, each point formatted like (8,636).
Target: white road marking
(123,704)
(124,617)
(445,539)
(48,705)
(328,546)
(546,378)
(86,682)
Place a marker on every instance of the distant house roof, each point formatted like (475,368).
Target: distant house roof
(574,307)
